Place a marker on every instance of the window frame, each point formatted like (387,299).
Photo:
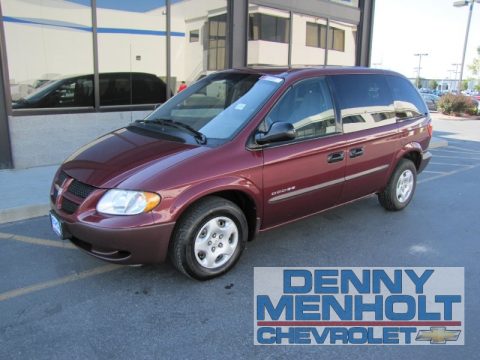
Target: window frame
(408,118)
(252,145)
(195,38)
(339,108)
(331,38)
(258,23)
(320,39)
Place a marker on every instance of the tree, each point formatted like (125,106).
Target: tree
(464,85)
(419,82)
(475,66)
(433,84)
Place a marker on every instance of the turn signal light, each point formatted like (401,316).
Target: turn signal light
(430,129)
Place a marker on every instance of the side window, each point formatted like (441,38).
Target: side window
(64,95)
(84,92)
(115,89)
(308,107)
(148,89)
(74,92)
(408,103)
(365,101)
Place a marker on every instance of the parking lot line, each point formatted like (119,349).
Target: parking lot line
(464,149)
(449,164)
(434,172)
(36,241)
(63,280)
(453,151)
(456,157)
(435,177)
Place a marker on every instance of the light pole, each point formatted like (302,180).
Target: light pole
(420,66)
(461,4)
(456,73)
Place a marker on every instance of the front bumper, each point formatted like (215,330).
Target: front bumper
(129,246)
(426,157)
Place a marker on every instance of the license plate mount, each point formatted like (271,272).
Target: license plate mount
(57,226)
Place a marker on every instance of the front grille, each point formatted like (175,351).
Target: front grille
(61,178)
(55,194)
(80,189)
(69,206)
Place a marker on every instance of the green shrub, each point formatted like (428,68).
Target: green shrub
(457,104)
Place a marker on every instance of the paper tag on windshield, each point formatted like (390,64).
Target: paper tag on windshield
(271,78)
(240,106)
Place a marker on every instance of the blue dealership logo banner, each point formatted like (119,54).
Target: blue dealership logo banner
(359,306)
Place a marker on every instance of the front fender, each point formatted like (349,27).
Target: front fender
(176,204)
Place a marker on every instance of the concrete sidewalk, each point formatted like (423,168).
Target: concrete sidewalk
(25,193)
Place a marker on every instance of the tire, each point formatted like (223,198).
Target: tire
(209,238)
(400,188)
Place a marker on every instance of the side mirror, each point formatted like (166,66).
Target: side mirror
(279,131)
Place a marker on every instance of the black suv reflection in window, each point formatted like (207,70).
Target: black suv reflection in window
(120,88)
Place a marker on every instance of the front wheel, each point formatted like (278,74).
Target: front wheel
(209,238)
(401,187)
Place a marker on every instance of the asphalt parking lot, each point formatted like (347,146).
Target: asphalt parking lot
(57,302)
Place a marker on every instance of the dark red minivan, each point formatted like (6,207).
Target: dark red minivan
(238,152)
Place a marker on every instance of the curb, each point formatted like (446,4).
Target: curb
(32,211)
(23,213)
(436,143)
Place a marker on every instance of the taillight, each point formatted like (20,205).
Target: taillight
(430,128)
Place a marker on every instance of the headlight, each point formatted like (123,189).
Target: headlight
(126,202)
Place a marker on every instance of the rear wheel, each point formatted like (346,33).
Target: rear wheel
(209,238)
(401,187)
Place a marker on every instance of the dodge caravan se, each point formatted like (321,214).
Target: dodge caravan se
(238,152)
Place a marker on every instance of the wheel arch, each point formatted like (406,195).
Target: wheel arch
(411,151)
(245,197)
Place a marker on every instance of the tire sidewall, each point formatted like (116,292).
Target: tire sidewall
(404,165)
(190,262)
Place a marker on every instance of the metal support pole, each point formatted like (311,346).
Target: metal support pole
(96,73)
(168,50)
(465,45)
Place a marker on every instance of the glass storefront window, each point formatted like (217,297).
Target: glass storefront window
(205,52)
(217,38)
(50,53)
(132,47)
(269,36)
(132,52)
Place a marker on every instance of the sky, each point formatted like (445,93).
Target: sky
(403,28)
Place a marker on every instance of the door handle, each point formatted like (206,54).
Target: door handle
(356,152)
(335,157)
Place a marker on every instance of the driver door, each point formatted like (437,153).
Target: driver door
(304,175)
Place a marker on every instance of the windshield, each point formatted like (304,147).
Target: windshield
(43,89)
(220,104)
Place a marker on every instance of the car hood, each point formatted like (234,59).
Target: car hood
(115,157)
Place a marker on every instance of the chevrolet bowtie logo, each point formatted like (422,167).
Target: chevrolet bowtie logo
(437,335)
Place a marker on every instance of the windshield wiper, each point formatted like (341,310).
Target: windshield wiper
(201,138)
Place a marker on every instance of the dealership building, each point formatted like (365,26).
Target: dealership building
(72,70)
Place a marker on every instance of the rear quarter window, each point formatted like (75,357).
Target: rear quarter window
(407,101)
(365,101)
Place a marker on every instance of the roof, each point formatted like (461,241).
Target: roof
(294,71)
